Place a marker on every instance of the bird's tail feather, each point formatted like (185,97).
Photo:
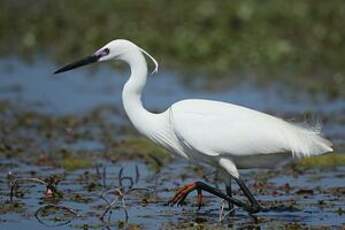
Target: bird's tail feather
(306,140)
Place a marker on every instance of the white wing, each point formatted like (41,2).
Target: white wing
(216,128)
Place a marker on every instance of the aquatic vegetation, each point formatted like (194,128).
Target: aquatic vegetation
(140,148)
(74,163)
(11,207)
(54,215)
(52,148)
(295,41)
(330,160)
(81,208)
(68,138)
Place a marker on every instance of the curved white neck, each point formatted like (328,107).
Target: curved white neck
(131,94)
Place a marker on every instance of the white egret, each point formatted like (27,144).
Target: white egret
(223,135)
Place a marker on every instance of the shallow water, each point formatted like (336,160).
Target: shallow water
(314,198)
(81,90)
(310,201)
(34,87)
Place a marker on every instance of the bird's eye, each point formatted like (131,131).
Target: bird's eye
(106,51)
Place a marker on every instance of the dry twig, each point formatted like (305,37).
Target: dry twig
(43,208)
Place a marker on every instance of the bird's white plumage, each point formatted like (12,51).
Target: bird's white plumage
(217,128)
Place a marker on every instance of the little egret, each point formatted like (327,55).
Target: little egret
(225,136)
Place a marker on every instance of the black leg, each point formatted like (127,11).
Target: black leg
(182,193)
(255,206)
(229,193)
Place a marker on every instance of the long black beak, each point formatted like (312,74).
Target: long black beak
(85,61)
